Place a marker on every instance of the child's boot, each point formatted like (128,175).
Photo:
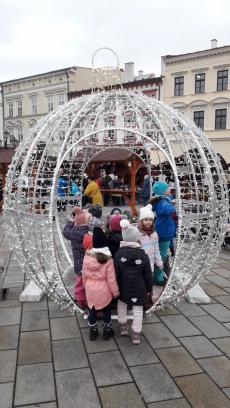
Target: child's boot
(135,337)
(107,331)
(93,332)
(123,329)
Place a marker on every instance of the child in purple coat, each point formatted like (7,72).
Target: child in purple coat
(74,231)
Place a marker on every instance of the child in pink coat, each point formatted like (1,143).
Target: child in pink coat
(100,284)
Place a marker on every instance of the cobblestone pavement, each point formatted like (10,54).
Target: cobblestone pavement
(47,361)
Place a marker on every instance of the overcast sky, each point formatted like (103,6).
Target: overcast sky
(45,35)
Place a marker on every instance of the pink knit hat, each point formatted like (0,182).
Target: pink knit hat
(114,222)
(81,217)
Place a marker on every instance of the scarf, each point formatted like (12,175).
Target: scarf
(163,196)
(148,231)
(124,244)
(104,250)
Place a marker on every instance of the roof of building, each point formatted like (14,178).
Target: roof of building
(6,155)
(196,52)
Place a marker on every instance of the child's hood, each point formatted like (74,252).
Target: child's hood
(91,261)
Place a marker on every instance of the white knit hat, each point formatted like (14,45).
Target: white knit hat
(146,212)
(129,233)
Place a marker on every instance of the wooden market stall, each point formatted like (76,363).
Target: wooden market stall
(5,160)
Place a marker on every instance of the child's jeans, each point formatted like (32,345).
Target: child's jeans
(137,315)
(79,289)
(158,275)
(92,319)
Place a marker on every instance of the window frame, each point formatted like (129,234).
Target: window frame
(221,78)
(19,108)
(34,106)
(10,109)
(194,119)
(48,102)
(19,134)
(220,116)
(199,82)
(181,89)
(58,99)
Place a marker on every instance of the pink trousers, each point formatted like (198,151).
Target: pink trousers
(79,289)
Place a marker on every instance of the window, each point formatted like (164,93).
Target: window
(50,103)
(11,134)
(222,80)
(221,115)
(34,106)
(20,134)
(130,124)
(19,108)
(199,119)
(110,131)
(61,100)
(199,83)
(179,86)
(62,135)
(11,109)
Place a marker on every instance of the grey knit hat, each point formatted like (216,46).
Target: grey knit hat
(129,233)
(94,222)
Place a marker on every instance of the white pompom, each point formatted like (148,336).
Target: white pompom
(149,206)
(124,224)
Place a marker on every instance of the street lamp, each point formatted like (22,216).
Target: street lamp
(6,135)
(14,142)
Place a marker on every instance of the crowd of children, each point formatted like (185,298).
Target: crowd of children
(121,261)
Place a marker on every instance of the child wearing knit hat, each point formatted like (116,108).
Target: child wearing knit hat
(149,237)
(100,284)
(74,231)
(88,238)
(115,236)
(134,278)
(165,224)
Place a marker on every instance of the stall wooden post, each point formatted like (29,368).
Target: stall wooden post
(133,169)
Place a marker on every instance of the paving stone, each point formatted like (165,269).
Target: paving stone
(227,392)
(150,318)
(227,290)
(99,345)
(159,336)
(64,328)
(218,368)
(223,344)
(9,337)
(169,311)
(200,346)
(133,355)
(210,272)
(10,303)
(190,309)
(14,293)
(13,281)
(212,290)
(178,361)
(180,326)
(37,320)
(221,313)
(34,384)
(154,383)
(225,273)
(123,396)
(69,354)
(224,300)
(72,386)
(210,327)
(11,316)
(48,405)
(177,403)
(109,368)
(202,392)
(8,359)
(14,270)
(34,347)
(219,281)
(55,311)
(34,306)
(6,394)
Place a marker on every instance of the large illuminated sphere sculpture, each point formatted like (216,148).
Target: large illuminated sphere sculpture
(165,140)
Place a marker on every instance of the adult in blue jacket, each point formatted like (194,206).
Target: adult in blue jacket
(61,191)
(165,224)
(145,192)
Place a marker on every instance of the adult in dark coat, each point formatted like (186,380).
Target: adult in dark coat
(145,192)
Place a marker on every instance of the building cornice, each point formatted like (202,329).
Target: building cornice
(196,55)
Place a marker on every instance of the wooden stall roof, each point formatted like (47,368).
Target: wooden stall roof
(113,155)
(6,155)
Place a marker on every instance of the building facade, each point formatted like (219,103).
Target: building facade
(198,85)
(26,100)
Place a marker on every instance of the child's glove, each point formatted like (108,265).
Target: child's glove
(174,216)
